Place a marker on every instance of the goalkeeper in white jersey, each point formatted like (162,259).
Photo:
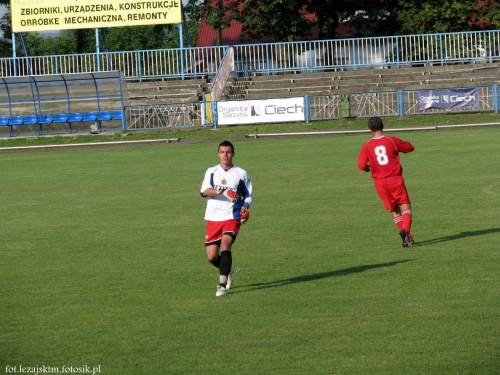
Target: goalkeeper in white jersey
(229,195)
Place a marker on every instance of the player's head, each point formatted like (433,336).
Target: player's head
(226,153)
(375,124)
(226,144)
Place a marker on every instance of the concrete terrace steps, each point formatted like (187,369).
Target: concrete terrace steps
(171,91)
(319,83)
(344,82)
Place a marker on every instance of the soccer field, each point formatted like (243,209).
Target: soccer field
(102,262)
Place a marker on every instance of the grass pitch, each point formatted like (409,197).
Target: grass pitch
(102,262)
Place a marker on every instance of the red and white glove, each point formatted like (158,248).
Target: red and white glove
(229,194)
(244,214)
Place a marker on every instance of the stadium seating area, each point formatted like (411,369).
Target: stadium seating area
(171,91)
(349,82)
(60,103)
(329,82)
(62,118)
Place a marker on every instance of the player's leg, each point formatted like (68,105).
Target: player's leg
(407,216)
(230,231)
(407,220)
(398,218)
(401,208)
(226,258)
(213,254)
(213,243)
(402,198)
(213,235)
(386,194)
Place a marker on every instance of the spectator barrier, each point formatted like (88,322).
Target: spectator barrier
(318,107)
(272,58)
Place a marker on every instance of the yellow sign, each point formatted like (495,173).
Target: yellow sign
(45,15)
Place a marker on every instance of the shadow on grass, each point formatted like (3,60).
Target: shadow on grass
(319,276)
(457,236)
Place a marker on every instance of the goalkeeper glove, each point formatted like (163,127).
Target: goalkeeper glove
(229,194)
(244,214)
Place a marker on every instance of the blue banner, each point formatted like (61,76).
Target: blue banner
(448,98)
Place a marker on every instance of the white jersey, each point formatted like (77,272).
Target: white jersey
(220,208)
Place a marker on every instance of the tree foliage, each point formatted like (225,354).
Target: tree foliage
(281,19)
(438,16)
(219,14)
(485,15)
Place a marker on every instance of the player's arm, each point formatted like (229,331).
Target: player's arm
(403,146)
(229,194)
(247,199)
(209,192)
(207,188)
(363,163)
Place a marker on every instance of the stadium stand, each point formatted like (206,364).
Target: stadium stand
(347,82)
(172,91)
(320,83)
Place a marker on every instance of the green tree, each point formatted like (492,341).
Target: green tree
(370,18)
(329,13)
(193,11)
(135,38)
(5,41)
(62,44)
(433,16)
(485,15)
(281,19)
(442,16)
(219,14)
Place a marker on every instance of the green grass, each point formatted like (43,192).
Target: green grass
(102,261)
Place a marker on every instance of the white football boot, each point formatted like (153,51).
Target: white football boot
(230,278)
(221,291)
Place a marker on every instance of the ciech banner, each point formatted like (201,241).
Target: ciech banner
(47,15)
(448,98)
(260,111)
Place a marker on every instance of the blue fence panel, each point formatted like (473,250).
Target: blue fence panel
(271,58)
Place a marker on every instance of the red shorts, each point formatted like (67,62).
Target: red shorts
(215,230)
(392,191)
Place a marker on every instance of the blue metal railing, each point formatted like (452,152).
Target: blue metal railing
(271,58)
(398,103)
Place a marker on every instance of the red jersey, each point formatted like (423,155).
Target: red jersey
(382,154)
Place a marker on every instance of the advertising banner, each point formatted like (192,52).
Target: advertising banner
(448,98)
(260,111)
(46,15)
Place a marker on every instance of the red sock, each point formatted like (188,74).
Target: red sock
(407,219)
(398,220)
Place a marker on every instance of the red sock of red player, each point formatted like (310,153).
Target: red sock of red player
(407,219)
(398,220)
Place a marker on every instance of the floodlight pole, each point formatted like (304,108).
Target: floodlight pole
(181,42)
(14,55)
(97,49)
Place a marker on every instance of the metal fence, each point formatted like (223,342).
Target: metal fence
(271,58)
(318,107)
(182,115)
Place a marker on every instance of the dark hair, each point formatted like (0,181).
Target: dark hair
(375,124)
(226,144)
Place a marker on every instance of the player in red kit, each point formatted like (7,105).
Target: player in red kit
(380,155)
